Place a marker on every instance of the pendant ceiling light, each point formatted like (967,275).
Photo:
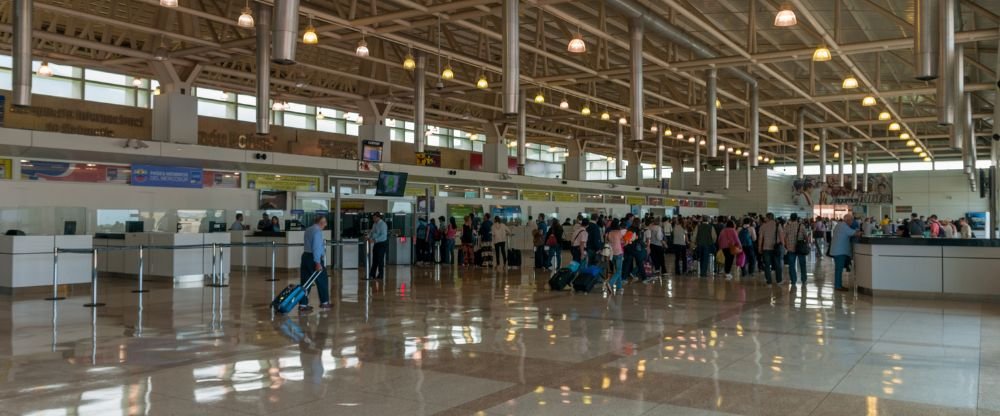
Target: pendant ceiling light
(653,129)
(137,82)
(869,101)
(849,83)
(816,147)
(917,149)
(309,36)
(836,155)
(765,158)
(923,154)
(409,63)
(168,3)
(622,120)
(680,136)
(739,152)
(156,91)
(605,115)
(894,126)
(447,73)
(772,161)
(723,147)
(564,104)
(911,143)
(691,139)
(785,16)
(585,110)
(44,70)
(539,98)
(718,104)
(577,45)
(320,116)
(246,17)
(884,116)
(904,136)
(362,50)
(667,132)
(277,106)
(483,83)
(822,54)
(927,159)
(701,142)
(773,128)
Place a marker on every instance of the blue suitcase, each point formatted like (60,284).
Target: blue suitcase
(289,297)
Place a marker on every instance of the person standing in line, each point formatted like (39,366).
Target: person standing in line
(656,246)
(314,247)
(614,239)
(238,224)
(680,244)
(704,239)
(934,226)
(468,237)
(747,236)
(500,233)
(947,229)
(378,237)
(634,248)
(442,239)
(432,241)
(595,241)
(579,250)
(819,235)
(964,229)
(796,234)
(769,244)
(553,240)
(423,249)
(729,242)
(915,227)
(449,241)
(486,234)
(275,225)
(840,249)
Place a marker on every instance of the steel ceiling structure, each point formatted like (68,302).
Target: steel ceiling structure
(872,40)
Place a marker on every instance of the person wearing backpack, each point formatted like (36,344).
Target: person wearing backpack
(552,239)
(747,236)
(704,240)
(614,238)
(579,245)
(595,242)
(421,239)
(634,249)
(796,241)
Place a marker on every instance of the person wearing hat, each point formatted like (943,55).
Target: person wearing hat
(378,236)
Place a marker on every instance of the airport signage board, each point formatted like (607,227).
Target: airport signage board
(167,176)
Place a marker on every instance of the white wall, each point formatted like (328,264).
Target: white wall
(769,192)
(942,193)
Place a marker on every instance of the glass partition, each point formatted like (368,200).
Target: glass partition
(44,220)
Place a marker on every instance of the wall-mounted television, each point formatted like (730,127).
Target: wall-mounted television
(371,151)
(276,200)
(391,183)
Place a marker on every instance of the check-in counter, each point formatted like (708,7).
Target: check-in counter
(165,254)
(258,254)
(928,266)
(26,261)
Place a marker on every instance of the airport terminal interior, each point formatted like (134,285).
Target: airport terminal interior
(499,207)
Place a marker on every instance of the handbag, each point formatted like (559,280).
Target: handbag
(551,241)
(606,251)
(720,257)
(735,249)
(801,245)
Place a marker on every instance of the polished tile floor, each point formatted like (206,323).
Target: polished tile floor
(440,341)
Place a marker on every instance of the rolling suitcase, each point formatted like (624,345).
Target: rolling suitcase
(562,278)
(589,277)
(293,294)
(514,258)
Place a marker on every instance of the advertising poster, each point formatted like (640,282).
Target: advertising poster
(6,167)
(219,179)
(262,181)
(429,158)
(655,201)
(810,191)
(422,204)
(510,213)
(459,211)
(35,170)
(166,176)
(476,163)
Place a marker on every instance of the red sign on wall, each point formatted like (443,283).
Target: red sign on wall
(476,163)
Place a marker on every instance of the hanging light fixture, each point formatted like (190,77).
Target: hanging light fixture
(540,97)
(585,110)
(816,147)
(772,161)
(680,136)
(894,126)
(156,91)
(320,116)
(760,158)
(911,143)
(701,142)
(904,136)
(849,83)
(691,139)
(622,120)
(668,132)
(917,149)
(927,159)
(577,45)
(653,129)
(884,116)
(483,83)
(923,154)
(868,101)
(785,16)
(718,104)
(739,152)
(610,159)
(836,155)
(822,54)
(246,17)
(277,106)
(564,104)
(723,147)
(447,73)
(168,3)
(766,159)
(409,63)
(773,128)
(362,50)
(309,36)
(137,82)
(44,70)
(605,115)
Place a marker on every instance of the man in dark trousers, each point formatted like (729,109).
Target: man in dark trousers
(314,248)
(378,237)
(595,241)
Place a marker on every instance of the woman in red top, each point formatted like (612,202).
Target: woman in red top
(729,243)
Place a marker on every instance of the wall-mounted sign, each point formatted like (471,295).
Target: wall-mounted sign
(635,200)
(566,197)
(429,158)
(219,179)
(528,195)
(166,176)
(282,182)
(6,168)
(904,209)
(38,170)
(655,201)
(66,115)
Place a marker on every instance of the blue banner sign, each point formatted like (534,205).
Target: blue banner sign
(166,176)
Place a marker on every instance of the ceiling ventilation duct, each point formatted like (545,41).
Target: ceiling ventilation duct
(712,113)
(511,59)
(22,53)
(946,102)
(263,29)
(635,30)
(286,31)
(925,40)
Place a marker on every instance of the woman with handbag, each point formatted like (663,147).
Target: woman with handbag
(614,242)
(729,245)
(796,240)
(552,239)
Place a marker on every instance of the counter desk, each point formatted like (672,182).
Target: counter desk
(169,254)
(26,261)
(287,257)
(928,266)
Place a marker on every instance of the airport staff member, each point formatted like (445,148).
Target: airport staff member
(312,261)
(238,224)
(265,223)
(378,236)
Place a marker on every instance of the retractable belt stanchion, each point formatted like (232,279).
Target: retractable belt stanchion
(214,283)
(141,266)
(55,276)
(273,261)
(222,276)
(93,283)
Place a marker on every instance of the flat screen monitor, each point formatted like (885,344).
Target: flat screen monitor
(273,200)
(69,227)
(134,226)
(371,151)
(391,183)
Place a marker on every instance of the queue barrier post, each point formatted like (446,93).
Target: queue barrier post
(273,263)
(55,276)
(93,283)
(141,267)
(222,276)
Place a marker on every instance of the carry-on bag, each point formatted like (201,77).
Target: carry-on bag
(293,294)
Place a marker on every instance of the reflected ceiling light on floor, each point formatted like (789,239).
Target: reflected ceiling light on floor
(868,101)
(447,73)
(911,143)
(44,70)
(816,147)
(577,45)
(409,63)
(884,116)
(785,16)
(585,110)
(309,36)
(137,82)
(362,50)
(168,3)
(668,132)
(773,128)
(904,136)
(483,83)
(246,17)
(605,116)
(822,54)
(539,98)
(849,83)
(564,104)
(894,126)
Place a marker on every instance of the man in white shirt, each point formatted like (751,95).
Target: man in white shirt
(656,246)
(500,235)
(579,241)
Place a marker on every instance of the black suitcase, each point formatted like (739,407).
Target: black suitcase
(589,277)
(561,279)
(514,258)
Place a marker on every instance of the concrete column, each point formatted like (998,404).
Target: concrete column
(576,163)
(373,128)
(175,117)
(494,150)
(633,173)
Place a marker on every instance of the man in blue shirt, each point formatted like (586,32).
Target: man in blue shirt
(314,248)
(378,237)
(840,249)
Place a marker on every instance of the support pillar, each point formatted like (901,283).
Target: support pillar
(633,172)
(373,127)
(576,163)
(495,153)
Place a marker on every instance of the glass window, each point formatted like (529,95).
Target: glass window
(56,86)
(109,94)
(217,95)
(298,121)
(244,113)
(244,99)
(107,77)
(215,109)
